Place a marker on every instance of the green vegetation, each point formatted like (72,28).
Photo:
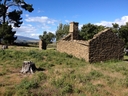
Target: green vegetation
(63,75)
(11,17)
(47,38)
(88,30)
(62,30)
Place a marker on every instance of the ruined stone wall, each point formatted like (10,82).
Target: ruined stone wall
(42,45)
(105,46)
(79,49)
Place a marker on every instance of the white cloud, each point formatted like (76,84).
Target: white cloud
(67,21)
(45,24)
(80,26)
(120,21)
(26,29)
(26,15)
(75,16)
(35,35)
(40,11)
(42,19)
(40,24)
(45,27)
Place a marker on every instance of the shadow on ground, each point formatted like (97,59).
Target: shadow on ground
(40,69)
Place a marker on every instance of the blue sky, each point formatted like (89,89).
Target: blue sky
(48,14)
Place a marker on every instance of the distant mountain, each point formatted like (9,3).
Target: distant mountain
(25,39)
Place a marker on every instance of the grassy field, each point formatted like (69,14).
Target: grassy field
(63,75)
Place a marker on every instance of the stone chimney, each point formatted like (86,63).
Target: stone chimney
(73,30)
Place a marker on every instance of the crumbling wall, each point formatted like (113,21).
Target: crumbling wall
(79,49)
(42,45)
(105,46)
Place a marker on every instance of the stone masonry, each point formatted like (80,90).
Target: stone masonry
(42,45)
(73,32)
(105,45)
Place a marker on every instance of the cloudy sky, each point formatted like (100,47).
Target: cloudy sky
(48,14)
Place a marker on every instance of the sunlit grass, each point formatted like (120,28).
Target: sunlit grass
(63,75)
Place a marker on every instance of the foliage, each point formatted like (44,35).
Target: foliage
(10,18)
(123,33)
(47,37)
(89,30)
(7,34)
(62,30)
(115,28)
(13,16)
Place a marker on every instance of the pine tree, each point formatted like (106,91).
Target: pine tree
(13,18)
(7,34)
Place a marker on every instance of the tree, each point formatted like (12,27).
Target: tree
(12,18)
(89,30)
(7,34)
(47,37)
(115,28)
(62,30)
(123,34)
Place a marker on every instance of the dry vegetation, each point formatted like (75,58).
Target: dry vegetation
(63,75)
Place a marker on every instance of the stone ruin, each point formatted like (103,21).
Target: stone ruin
(42,45)
(105,45)
(73,32)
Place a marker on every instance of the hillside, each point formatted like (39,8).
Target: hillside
(26,39)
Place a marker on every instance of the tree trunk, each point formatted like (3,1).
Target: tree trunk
(5,10)
(28,67)
(4,47)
